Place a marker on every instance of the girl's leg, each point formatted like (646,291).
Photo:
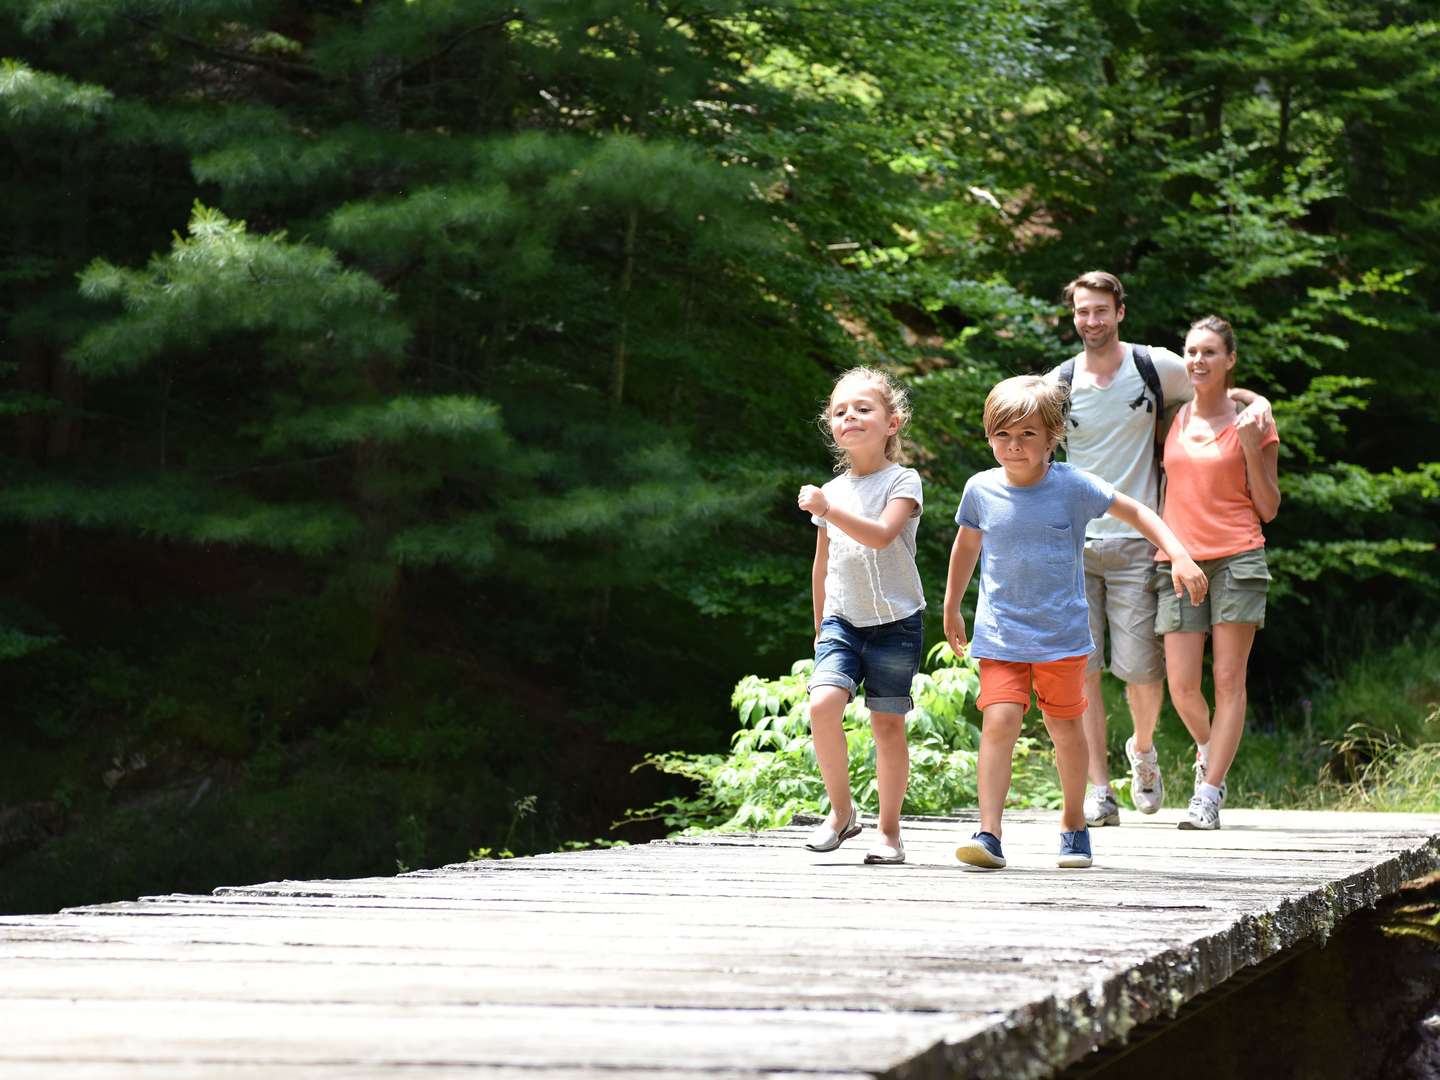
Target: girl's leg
(1184,661)
(998,732)
(827,712)
(892,770)
(1070,760)
(1229,661)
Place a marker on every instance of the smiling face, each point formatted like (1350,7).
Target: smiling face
(1097,317)
(860,423)
(1207,360)
(1022,448)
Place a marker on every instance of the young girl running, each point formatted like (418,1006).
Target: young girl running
(1025,523)
(1223,474)
(867,601)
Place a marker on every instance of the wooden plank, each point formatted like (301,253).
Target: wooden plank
(737,955)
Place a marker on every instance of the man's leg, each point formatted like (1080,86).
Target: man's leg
(1145,700)
(1094,722)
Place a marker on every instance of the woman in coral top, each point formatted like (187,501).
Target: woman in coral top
(1221,473)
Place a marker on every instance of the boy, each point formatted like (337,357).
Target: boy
(1032,623)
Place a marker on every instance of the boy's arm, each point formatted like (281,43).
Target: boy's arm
(1184,574)
(964,553)
(872,532)
(817,576)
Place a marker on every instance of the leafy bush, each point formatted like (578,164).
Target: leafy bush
(770,774)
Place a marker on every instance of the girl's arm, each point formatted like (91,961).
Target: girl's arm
(868,531)
(1262,468)
(817,576)
(1184,574)
(964,553)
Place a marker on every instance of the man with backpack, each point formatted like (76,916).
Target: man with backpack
(1121,395)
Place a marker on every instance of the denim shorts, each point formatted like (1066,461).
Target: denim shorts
(883,658)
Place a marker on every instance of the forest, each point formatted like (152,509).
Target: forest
(404,400)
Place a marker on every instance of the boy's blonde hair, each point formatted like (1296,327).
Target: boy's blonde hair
(1016,398)
(893,396)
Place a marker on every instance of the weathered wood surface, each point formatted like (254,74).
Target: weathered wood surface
(738,956)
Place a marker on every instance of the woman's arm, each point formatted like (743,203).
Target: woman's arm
(817,576)
(1184,574)
(1262,468)
(872,532)
(964,553)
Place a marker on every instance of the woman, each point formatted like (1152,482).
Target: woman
(1222,474)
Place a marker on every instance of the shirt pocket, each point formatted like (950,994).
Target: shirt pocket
(1057,544)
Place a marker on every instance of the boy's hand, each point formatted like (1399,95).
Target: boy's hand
(955,631)
(1187,577)
(812,500)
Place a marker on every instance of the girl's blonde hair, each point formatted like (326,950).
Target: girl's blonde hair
(1014,399)
(893,396)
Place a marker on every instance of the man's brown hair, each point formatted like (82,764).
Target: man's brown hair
(1100,281)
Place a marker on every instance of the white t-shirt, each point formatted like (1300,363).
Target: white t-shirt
(1111,432)
(868,586)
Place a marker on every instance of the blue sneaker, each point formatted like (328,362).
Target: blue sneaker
(1075,849)
(982,849)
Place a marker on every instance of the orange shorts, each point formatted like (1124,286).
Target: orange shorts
(1059,684)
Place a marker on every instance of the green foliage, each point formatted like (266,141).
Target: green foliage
(770,774)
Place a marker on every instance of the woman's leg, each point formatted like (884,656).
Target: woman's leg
(1184,661)
(892,770)
(1070,760)
(1230,659)
(998,731)
(827,712)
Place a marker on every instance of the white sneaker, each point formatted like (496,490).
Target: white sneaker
(1203,814)
(1101,809)
(1147,787)
(1200,779)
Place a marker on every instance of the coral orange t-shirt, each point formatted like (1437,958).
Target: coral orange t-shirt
(1207,496)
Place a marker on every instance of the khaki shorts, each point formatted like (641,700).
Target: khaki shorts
(1238,584)
(1119,587)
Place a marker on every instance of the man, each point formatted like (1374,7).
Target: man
(1113,424)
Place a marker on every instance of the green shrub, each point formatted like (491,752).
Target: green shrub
(770,774)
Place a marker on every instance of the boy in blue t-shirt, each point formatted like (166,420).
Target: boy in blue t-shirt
(1025,524)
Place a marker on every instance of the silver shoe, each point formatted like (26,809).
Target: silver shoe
(824,838)
(882,854)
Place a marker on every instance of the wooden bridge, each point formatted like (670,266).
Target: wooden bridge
(727,956)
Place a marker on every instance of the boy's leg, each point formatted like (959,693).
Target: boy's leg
(892,770)
(1060,686)
(827,712)
(1230,658)
(999,730)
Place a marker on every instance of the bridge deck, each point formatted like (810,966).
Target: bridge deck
(733,956)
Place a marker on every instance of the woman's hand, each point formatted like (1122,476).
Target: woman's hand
(812,500)
(1187,577)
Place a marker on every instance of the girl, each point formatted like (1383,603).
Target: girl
(867,600)
(1222,468)
(1025,524)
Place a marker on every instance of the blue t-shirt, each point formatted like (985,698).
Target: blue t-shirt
(1032,571)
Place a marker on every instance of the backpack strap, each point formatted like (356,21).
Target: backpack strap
(1151,378)
(1066,374)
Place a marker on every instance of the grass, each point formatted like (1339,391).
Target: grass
(1369,739)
